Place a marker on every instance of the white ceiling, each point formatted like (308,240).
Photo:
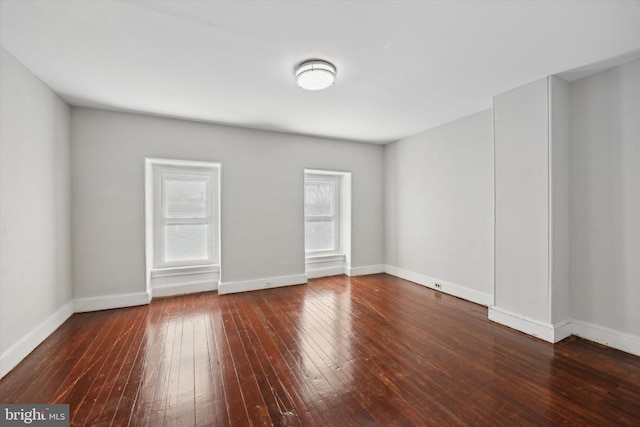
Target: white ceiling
(403,66)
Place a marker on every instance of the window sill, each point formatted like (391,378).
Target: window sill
(313,259)
(184,271)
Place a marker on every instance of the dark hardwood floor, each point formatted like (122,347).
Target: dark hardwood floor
(371,350)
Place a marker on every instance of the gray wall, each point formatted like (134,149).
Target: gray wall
(532,139)
(439,203)
(35,250)
(559,211)
(522,200)
(605,198)
(262,196)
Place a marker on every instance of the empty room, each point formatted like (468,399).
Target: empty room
(320,213)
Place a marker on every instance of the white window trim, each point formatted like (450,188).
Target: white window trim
(184,271)
(319,259)
(160,220)
(335,218)
(157,270)
(329,264)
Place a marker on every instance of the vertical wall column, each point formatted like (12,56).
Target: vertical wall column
(531,149)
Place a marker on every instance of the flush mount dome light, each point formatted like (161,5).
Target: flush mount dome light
(315,75)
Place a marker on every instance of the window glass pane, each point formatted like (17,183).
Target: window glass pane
(186,242)
(318,198)
(185,197)
(319,235)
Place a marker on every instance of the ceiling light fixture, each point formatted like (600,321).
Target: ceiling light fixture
(315,75)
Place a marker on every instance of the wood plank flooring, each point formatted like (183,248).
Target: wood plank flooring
(372,350)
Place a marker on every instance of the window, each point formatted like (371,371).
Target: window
(327,222)
(322,214)
(185,207)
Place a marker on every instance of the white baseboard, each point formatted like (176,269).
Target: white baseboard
(182,288)
(257,284)
(446,287)
(367,269)
(607,336)
(111,301)
(553,333)
(14,355)
(545,331)
(562,330)
(314,273)
(521,323)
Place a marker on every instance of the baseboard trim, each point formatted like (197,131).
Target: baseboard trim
(528,325)
(365,270)
(182,288)
(553,333)
(108,302)
(258,284)
(606,336)
(315,273)
(21,349)
(562,330)
(446,287)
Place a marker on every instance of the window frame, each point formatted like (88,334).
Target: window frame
(335,218)
(184,170)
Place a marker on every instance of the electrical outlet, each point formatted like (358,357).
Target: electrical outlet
(438,286)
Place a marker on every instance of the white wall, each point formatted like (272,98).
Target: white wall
(35,250)
(605,199)
(262,179)
(439,207)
